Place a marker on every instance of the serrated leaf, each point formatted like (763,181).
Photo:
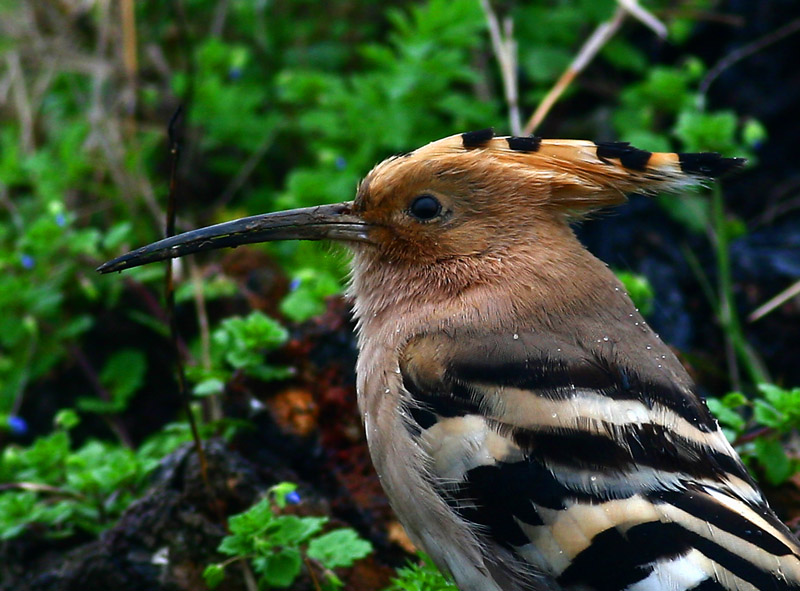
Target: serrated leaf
(341,547)
(290,530)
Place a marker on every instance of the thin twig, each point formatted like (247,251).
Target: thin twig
(643,16)
(310,568)
(743,52)
(205,332)
(249,578)
(753,435)
(505,50)
(699,16)
(42,488)
(778,300)
(174,147)
(11,208)
(130,59)
(21,102)
(219,18)
(602,34)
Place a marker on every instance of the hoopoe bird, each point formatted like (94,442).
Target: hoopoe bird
(529,428)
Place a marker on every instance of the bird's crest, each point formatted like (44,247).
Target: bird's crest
(572,175)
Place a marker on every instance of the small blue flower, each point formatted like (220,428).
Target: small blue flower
(294,284)
(61,220)
(293,498)
(234,73)
(341,163)
(17,425)
(27,261)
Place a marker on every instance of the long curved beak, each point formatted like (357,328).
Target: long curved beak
(324,222)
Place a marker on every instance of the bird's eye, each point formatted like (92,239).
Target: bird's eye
(425,207)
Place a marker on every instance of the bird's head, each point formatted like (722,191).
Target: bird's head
(461,197)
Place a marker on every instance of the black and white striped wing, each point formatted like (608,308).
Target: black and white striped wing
(600,477)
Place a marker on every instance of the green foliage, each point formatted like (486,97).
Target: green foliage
(66,490)
(122,375)
(41,277)
(775,414)
(239,344)
(276,545)
(340,547)
(422,576)
(310,287)
(725,409)
(663,106)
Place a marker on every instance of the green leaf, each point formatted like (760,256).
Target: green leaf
(707,132)
(66,419)
(291,530)
(209,387)
(773,458)
(279,569)
(421,577)
(238,545)
(727,416)
(253,521)
(116,235)
(241,342)
(341,547)
(213,575)
(735,400)
(767,415)
(122,376)
(269,373)
(307,298)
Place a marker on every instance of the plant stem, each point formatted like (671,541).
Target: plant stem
(728,317)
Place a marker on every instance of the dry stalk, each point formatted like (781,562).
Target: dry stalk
(601,35)
(505,50)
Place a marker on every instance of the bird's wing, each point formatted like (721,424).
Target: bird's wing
(601,477)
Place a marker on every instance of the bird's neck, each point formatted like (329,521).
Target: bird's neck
(537,283)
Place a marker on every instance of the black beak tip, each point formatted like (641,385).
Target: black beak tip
(118,264)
